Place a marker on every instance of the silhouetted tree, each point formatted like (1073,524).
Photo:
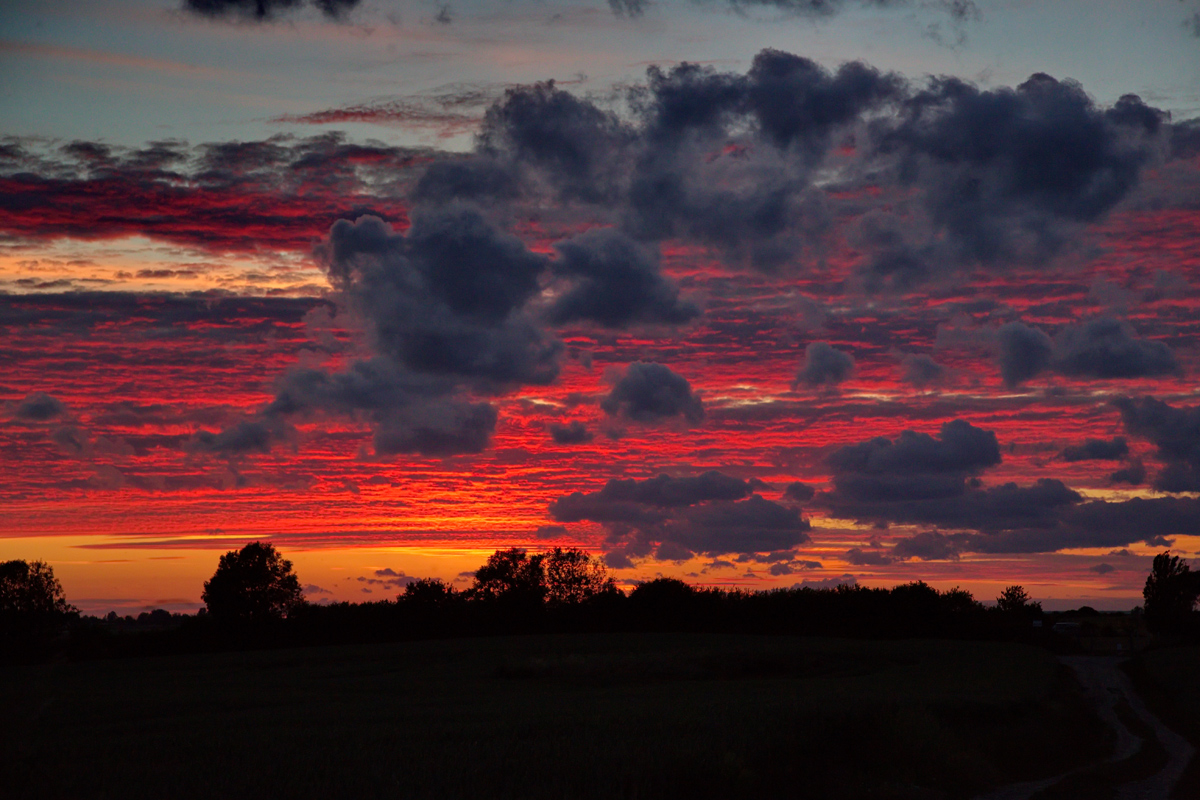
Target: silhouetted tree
(959,600)
(573,577)
(254,584)
(30,589)
(32,606)
(428,592)
(513,576)
(1170,593)
(1015,600)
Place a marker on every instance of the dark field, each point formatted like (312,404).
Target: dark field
(1169,681)
(590,716)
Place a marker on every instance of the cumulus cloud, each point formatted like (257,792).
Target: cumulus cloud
(1008,175)
(924,481)
(929,546)
(799,492)
(921,370)
(574,432)
(39,407)
(824,365)
(1133,473)
(914,465)
(866,558)
(446,310)
(675,517)
(1023,352)
(1103,348)
(1175,432)
(1109,348)
(247,436)
(614,281)
(648,392)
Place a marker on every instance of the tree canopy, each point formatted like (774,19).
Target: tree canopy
(255,583)
(1170,593)
(1015,600)
(563,576)
(30,588)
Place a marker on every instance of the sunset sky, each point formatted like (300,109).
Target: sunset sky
(754,293)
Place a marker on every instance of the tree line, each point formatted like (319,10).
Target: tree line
(254,598)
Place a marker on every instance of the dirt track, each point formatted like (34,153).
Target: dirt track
(1106,685)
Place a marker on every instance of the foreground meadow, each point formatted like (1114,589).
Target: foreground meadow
(577,716)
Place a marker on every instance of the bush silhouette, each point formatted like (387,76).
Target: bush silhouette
(253,584)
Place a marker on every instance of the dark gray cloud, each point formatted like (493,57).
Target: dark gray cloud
(475,179)
(1175,432)
(1109,348)
(930,483)
(674,518)
(648,392)
(39,407)
(445,308)
(1098,524)
(929,546)
(444,428)
(574,432)
(913,466)
(262,10)
(628,500)
(247,436)
(614,281)
(824,365)
(550,531)
(1023,352)
(921,370)
(751,525)
(799,492)
(689,163)
(569,142)
(792,567)
(990,509)
(446,298)
(1097,450)
(1102,569)
(1102,348)
(866,558)
(410,412)
(1008,175)
(1133,473)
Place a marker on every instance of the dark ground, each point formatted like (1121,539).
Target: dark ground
(577,716)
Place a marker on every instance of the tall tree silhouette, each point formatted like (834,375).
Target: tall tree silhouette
(255,583)
(30,588)
(573,576)
(513,576)
(32,605)
(1170,593)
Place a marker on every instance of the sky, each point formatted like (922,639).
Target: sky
(753,293)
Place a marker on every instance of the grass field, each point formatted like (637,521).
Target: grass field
(595,716)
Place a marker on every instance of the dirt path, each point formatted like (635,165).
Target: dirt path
(1105,686)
